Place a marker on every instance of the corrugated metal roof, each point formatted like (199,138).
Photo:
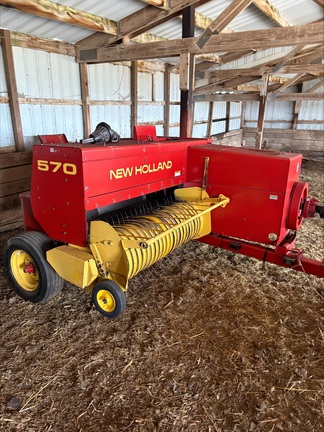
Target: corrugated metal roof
(19,21)
(298,12)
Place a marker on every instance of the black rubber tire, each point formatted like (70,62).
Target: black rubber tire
(113,290)
(36,245)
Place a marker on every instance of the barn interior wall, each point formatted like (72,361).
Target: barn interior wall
(51,101)
(280,114)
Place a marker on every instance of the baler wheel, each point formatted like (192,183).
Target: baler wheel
(108,298)
(30,274)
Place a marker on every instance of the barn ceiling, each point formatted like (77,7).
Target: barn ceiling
(235,42)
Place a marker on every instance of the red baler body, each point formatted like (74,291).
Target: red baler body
(73,183)
(71,180)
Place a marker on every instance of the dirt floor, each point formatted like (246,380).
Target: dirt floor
(209,341)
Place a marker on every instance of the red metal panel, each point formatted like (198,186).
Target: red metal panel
(53,139)
(30,223)
(57,192)
(144,133)
(259,184)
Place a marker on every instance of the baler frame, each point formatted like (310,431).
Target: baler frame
(77,187)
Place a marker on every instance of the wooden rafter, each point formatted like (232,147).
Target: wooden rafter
(315,87)
(216,26)
(256,39)
(148,37)
(140,22)
(288,57)
(298,96)
(65,14)
(290,83)
(288,69)
(310,56)
(268,8)
(203,22)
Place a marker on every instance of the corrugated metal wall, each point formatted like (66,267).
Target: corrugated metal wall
(108,83)
(150,99)
(279,115)
(42,75)
(311,110)
(46,75)
(201,114)
(275,112)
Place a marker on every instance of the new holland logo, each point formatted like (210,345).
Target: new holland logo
(138,170)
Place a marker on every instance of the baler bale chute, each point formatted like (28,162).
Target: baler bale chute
(102,210)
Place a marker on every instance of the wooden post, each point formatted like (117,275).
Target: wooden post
(167,102)
(188,23)
(134,91)
(262,110)
(12,90)
(210,119)
(85,99)
(297,106)
(243,112)
(228,116)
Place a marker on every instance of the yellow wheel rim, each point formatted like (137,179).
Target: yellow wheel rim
(19,260)
(106,300)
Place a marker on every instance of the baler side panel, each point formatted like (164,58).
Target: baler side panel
(259,185)
(116,180)
(57,195)
(70,179)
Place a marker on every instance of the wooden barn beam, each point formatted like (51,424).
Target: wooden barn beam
(262,111)
(187,64)
(290,83)
(297,97)
(216,26)
(140,22)
(255,39)
(269,9)
(84,79)
(9,68)
(221,86)
(315,87)
(232,56)
(289,69)
(210,118)
(134,94)
(167,98)
(148,37)
(203,22)
(237,97)
(309,56)
(288,57)
(65,14)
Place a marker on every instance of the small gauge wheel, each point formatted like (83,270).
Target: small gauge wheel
(108,298)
